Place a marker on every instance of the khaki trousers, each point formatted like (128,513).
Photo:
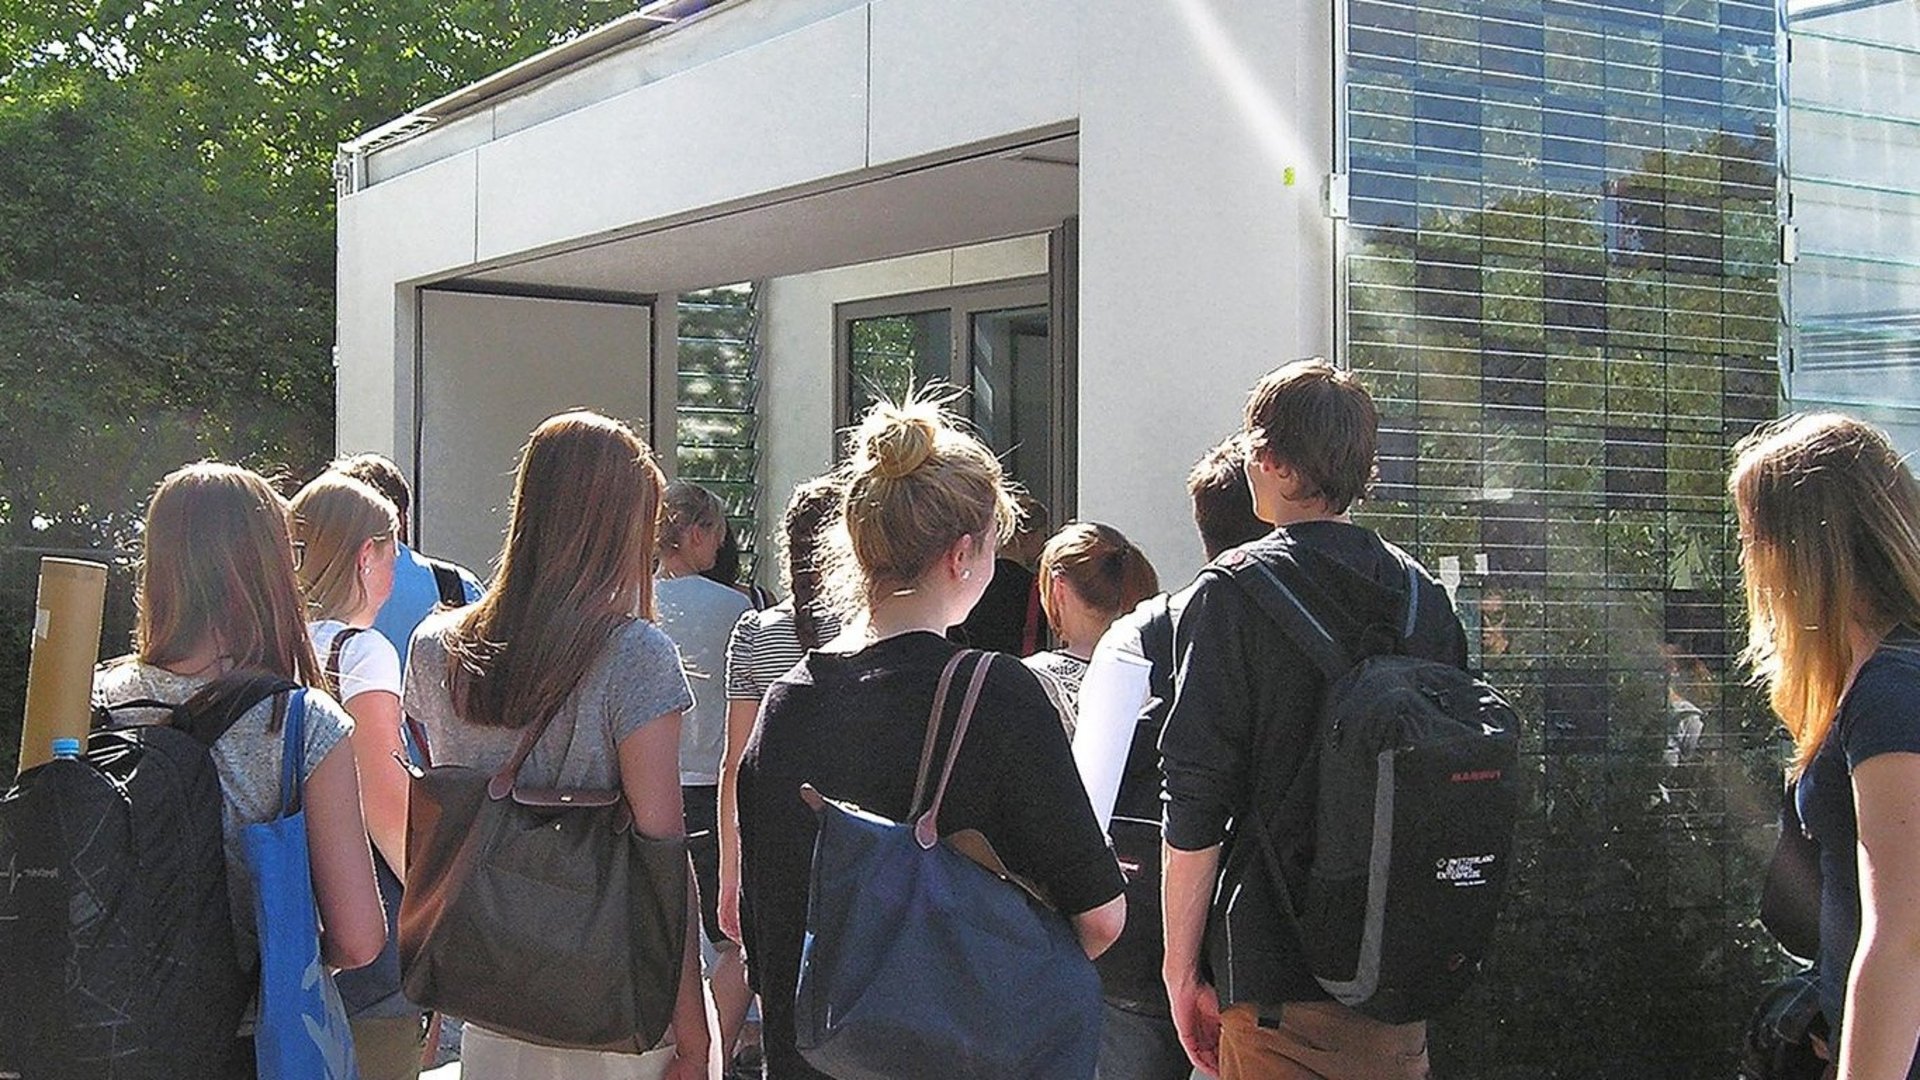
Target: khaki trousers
(388,1048)
(1318,1040)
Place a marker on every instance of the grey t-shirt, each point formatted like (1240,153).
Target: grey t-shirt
(636,678)
(698,614)
(247,759)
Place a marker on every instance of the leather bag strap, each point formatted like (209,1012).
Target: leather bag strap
(926,830)
(933,733)
(508,775)
(334,655)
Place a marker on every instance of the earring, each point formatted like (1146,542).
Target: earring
(967,574)
(363,571)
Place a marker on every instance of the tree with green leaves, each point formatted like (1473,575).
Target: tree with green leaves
(167,244)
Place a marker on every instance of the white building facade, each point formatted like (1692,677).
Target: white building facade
(1576,247)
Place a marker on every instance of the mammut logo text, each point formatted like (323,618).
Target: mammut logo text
(1474,775)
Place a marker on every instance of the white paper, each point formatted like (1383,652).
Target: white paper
(1111,696)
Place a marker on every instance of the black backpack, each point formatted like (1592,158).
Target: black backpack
(1409,792)
(114,920)
(446,579)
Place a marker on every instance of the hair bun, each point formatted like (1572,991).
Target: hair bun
(899,440)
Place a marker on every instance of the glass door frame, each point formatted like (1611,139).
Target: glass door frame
(962,303)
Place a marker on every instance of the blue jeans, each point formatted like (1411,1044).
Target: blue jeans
(1135,1046)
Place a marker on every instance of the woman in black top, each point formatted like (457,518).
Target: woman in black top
(924,508)
(1830,548)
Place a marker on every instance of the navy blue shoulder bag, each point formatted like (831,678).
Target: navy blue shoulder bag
(924,956)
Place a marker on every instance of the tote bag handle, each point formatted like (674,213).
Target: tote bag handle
(926,829)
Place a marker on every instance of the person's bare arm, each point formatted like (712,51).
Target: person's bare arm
(353,926)
(383,783)
(650,776)
(1186,888)
(741,713)
(1099,928)
(1882,1023)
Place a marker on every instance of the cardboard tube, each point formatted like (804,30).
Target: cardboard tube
(66,646)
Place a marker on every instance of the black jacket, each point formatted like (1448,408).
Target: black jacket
(1246,703)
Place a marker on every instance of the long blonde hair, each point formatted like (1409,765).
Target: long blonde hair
(217,565)
(914,483)
(577,564)
(1830,537)
(333,518)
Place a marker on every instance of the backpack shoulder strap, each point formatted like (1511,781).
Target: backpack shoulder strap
(1410,618)
(1264,584)
(453,591)
(209,713)
(336,651)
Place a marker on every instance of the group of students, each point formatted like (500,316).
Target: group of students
(709,714)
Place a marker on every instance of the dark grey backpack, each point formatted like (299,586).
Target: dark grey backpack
(1408,792)
(119,950)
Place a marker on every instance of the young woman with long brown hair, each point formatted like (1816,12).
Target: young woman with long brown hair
(923,511)
(216,594)
(565,632)
(1830,546)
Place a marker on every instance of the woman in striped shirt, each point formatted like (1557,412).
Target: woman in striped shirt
(764,646)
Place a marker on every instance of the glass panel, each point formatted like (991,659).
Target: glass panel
(891,354)
(1854,129)
(1562,290)
(1012,362)
(717,426)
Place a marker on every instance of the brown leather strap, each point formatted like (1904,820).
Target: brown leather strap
(508,774)
(933,733)
(346,634)
(927,829)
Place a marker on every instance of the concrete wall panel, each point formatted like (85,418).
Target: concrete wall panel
(1200,267)
(493,367)
(947,74)
(405,228)
(779,114)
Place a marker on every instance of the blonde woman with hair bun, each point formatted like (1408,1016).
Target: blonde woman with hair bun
(348,535)
(1830,549)
(923,511)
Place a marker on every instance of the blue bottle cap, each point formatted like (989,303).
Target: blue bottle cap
(69,748)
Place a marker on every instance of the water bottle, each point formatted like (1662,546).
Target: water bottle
(66,749)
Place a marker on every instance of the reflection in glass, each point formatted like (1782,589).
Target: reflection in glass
(1012,361)
(892,354)
(1562,290)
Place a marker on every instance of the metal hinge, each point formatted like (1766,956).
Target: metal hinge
(1336,196)
(1789,243)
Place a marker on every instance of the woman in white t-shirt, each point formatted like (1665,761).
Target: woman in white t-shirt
(345,531)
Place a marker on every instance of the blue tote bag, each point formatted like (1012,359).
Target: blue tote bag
(925,957)
(302,1031)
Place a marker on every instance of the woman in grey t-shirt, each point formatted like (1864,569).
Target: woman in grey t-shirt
(564,632)
(217,593)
